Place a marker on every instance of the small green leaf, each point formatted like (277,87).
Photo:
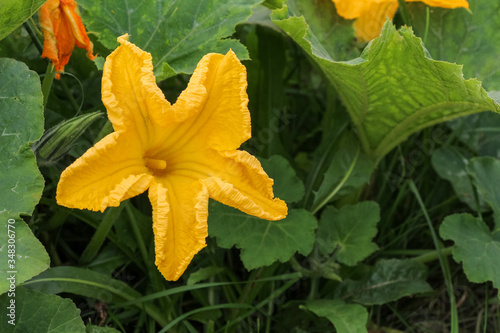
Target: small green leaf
(347,158)
(14,13)
(179,33)
(388,281)
(385,99)
(350,231)
(262,242)
(37,312)
(203,274)
(347,318)
(21,123)
(475,246)
(450,163)
(485,173)
(287,186)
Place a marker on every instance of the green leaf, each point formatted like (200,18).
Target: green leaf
(14,13)
(470,38)
(385,98)
(475,246)
(287,186)
(388,281)
(450,163)
(37,312)
(30,256)
(262,242)
(176,33)
(347,318)
(349,170)
(349,231)
(21,123)
(485,173)
(83,282)
(480,132)
(203,274)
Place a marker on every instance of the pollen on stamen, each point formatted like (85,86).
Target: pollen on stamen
(155,164)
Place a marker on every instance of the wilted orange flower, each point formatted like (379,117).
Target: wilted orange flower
(62,28)
(370,15)
(182,153)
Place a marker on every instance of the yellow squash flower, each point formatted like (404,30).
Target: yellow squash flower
(370,15)
(182,153)
(62,28)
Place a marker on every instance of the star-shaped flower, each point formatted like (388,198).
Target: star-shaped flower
(182,153)
(370,15)
(62,28)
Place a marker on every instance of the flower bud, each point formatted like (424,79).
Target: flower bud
(58,140)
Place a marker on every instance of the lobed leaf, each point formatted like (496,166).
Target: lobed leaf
(347,318)
(349,231)
(388,281)
(470,38)
(262,242)
(21,123)
(37,312)
(176,33)
(393,89)
(475,246)
(14,13)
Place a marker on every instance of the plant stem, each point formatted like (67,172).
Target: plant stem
(442,259)
(433,255)
(47,82)
(339,186)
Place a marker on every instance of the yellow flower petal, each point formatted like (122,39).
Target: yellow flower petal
(369,25)
(108,173)
(130,93)
(352,9)
(216,97)
(244,185)
(234,178)
(180,211)
(444,3)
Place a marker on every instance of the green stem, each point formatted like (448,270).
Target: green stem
(445,267)
(47,82)
(32,34)
(433,255)
(339,186)
(427,22)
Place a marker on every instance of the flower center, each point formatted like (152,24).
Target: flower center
(155,164)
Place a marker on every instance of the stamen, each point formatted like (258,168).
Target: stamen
(155,164)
